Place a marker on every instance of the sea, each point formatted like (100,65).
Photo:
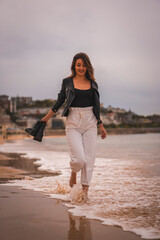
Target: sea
(125,187)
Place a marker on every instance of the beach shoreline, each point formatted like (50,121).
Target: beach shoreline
(68,222)
(50,133)
(13,137)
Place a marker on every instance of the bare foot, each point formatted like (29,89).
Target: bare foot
(72,180)
(85,192)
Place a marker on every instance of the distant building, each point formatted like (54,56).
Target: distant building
(13,105)
(57,123)
(22,122)
(32,111)
(116,110)
(144,120)
(109,118)
(101,105)
(4,119)
(21,101)
(3,98)
(4,102)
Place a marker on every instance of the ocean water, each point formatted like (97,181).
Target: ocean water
(125,188)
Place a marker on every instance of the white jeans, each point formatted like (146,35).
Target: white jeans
(81,133)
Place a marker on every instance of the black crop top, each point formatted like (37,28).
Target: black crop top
(83,98)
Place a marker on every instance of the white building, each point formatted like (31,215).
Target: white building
(116,110)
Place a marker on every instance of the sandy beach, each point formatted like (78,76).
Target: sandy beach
(26,214)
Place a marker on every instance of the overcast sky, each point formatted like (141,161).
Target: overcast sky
(38,39)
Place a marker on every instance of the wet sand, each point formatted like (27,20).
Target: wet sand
(12,137)
(26,214)
(15,166)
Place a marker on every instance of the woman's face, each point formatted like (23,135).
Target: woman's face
(80,67)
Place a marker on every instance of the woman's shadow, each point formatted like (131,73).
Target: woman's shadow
(80,232)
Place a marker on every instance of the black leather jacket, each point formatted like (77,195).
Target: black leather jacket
(67,95)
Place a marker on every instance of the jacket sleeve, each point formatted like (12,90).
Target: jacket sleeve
(96,84)
(61,98)
(98,100)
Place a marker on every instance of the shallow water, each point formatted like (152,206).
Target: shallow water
(125,188)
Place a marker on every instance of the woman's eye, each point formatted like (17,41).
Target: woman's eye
(80,65)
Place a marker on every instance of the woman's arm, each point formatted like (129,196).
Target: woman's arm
(57,105)
(60,99)
(102,130)
(99,122)
(48,116)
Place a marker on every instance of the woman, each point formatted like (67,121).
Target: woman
(80,93)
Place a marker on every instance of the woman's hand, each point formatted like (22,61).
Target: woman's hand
(48,116)
(102,131)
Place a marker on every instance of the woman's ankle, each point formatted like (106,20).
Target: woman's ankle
(73,179)
(85,188)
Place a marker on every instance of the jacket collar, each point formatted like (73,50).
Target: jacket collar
(71,85)
(94,85)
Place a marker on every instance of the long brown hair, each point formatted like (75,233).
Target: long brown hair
(86,60)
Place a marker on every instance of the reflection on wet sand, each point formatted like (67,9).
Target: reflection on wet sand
(79,228)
